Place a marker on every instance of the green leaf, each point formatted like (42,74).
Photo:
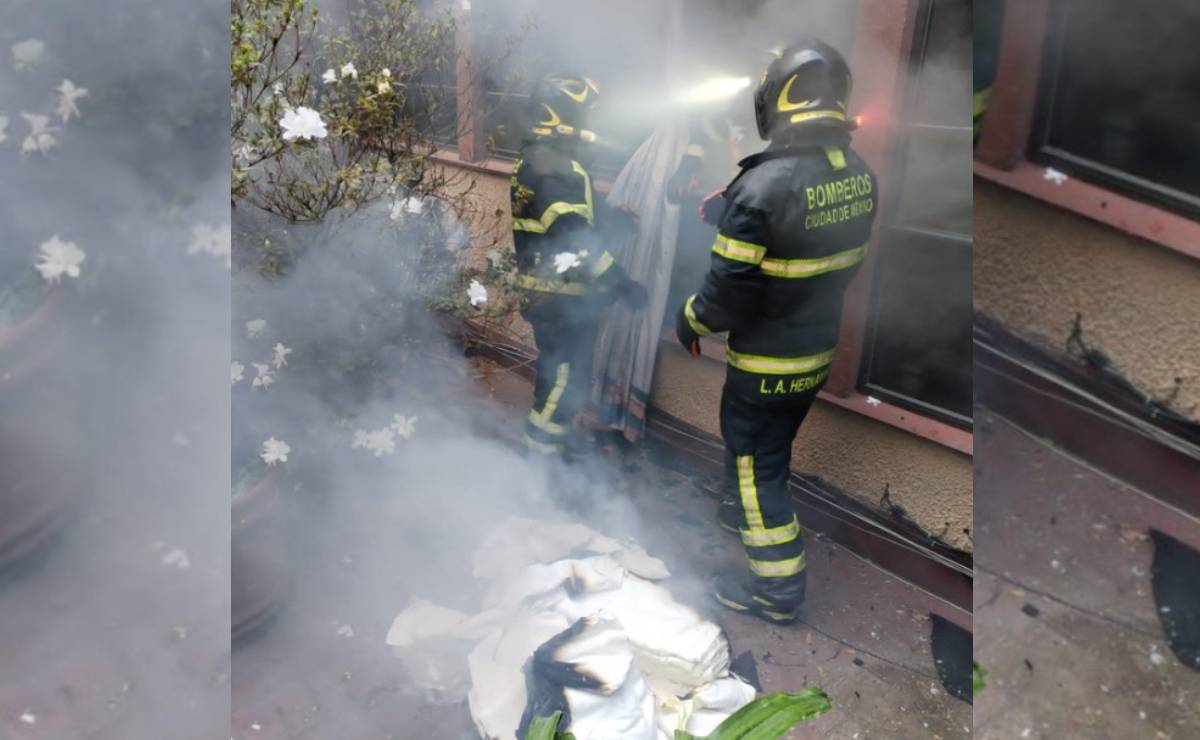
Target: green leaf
(771,716)
(544,728)
(977,678)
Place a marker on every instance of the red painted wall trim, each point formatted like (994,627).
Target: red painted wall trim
(881,61)
(489,166)
(1004,136)
(1121,212)
(469,92)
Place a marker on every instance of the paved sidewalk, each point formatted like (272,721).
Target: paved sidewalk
(1065,618)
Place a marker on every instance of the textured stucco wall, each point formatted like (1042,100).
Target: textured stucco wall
(489,215)
(855,453)
(1037,266)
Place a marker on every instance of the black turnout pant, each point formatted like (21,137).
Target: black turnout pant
(565,330)
(758,449)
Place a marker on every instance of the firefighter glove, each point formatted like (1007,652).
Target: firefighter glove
(713,208)
(687,335)
(633,294)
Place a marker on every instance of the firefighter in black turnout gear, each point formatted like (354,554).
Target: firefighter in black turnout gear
(564,270)
(793,227)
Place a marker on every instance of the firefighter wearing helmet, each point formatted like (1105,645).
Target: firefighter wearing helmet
(566,274)
(793,227)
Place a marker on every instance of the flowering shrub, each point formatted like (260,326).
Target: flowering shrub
(325,121)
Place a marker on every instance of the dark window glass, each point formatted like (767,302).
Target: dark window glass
(918,347)
(433,102)
(1120,98)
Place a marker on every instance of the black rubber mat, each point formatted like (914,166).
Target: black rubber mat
(1175,575)
(951,647)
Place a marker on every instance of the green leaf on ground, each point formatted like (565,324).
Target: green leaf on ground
(977,678)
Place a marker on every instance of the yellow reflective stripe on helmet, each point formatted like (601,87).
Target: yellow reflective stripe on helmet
(778,365)
(547,449)
(749,491)
(694,322)
(815,114)
(777,568)
(603,262)
(771,536)
(735,249)
(812,267)
(836,157)
(543,285)
(542,418)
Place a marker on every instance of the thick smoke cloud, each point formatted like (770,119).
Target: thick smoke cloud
(120,620)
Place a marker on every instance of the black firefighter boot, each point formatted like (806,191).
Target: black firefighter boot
(744,593)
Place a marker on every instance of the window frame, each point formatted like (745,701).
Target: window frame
(1002,153)
(890,226)
(1107,176)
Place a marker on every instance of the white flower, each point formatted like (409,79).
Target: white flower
(67,95)
(302,123)
(380,441)
(217,241)
(1054,176)
(59,258)
(255,327)
(264,377)
(386,72)
(348,70)
(404,426)
(329,76)
(275,451)
(41,134)
(236,370)
(383,86)
(27,53)
(3,126)
(477,293)
(564,261)
(245,153)
(281,353)
(277,88)
(177,557)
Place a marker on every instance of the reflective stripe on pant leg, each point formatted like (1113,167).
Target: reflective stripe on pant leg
(544,419)
(773,552)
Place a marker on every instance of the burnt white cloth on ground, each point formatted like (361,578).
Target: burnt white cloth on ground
(653,665)
(628,342)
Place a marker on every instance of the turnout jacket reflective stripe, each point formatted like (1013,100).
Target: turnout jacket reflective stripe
(555,211)
(793,232)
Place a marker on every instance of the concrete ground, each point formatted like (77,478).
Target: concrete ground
(864,637)
(118,629)
(1065,621)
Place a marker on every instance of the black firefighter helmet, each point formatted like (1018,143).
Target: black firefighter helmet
(560,105)
(808,81)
